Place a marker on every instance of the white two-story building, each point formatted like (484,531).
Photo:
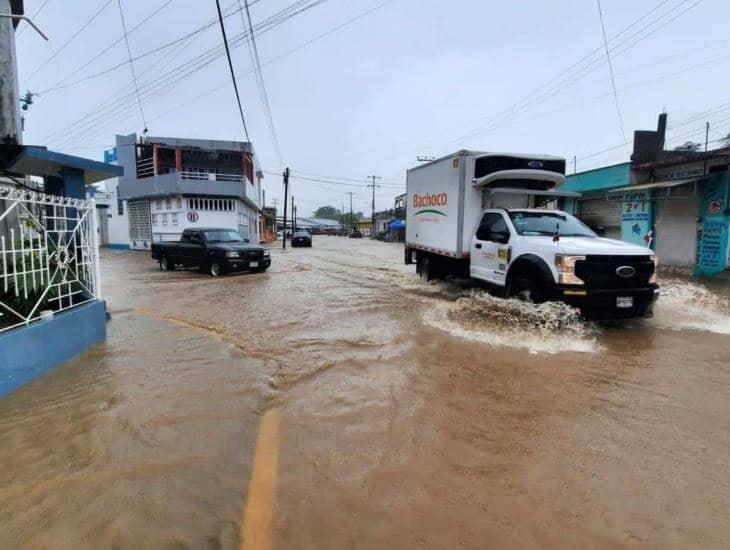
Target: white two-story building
(171,184)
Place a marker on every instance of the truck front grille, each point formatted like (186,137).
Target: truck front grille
(602,272)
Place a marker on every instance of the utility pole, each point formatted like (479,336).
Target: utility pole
(352,223)
(707,137)
(11,130)
(575,165)
(286,196)
(293,216)
(372,220)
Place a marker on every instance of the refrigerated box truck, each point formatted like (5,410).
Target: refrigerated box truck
(498,218)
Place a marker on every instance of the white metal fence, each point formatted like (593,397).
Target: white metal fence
(49,256)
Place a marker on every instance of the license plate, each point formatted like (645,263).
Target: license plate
(253,264)
(624,302)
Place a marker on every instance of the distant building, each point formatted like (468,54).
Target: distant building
(171,184)
(365,227)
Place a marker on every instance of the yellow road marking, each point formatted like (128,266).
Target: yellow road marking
(259,512)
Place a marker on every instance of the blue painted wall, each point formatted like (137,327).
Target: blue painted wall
(712,239)
(28,352)
(608,177)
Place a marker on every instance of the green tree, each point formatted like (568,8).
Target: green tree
(328,212)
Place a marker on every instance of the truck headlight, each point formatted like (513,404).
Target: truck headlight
(232,254)
(655,261)
(566,269)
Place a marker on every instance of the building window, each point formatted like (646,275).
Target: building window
(179,203)
(158,204)
(174,218)
(120,207)
(164,218)
(168,204)
(155,219)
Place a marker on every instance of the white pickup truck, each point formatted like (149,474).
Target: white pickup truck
(495,218)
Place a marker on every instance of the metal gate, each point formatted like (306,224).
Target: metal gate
(604,213)
(48,255)
(140,225)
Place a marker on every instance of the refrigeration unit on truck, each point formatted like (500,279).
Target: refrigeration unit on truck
(497,218)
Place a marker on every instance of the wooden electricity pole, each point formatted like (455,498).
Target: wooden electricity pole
(372,216)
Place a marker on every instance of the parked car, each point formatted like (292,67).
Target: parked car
(355,234)
(301,237)
(213,250)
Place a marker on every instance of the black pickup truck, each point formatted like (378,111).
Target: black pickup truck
(213,250)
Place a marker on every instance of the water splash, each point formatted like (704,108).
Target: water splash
(685,305)
(547,328)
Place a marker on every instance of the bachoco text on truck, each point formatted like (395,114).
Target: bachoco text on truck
(496,218)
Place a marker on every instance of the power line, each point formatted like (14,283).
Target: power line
(166,82)
(131,66)
(585,65)
(88,62)
(256,62)
(71,39)
(65,84)
(281,56)
(230,66)
(610,70)
(35,14)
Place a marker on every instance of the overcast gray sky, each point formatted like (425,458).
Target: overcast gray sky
(402,78)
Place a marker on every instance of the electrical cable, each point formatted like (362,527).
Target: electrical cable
(278,57)
(88,62)
(610,70)
(230,66)
(580,69)
(166,82)
(256,62)
(32,17)
(131,66)
(71,39)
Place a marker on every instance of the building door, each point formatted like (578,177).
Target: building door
(676,228)
(600,212)
(103,216)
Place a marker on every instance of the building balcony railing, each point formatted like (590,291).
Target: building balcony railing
(211,176)
(189,182)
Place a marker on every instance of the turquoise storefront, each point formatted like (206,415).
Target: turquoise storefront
(691,214)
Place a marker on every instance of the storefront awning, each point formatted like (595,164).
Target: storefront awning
(655,185)
(397,224)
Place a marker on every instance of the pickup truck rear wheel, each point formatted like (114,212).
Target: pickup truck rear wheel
(215,269)
(165,264)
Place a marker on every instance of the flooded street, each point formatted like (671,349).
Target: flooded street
(337,401)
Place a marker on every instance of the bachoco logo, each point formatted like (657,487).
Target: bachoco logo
(425,201)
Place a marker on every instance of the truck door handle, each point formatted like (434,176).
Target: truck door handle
(478,245)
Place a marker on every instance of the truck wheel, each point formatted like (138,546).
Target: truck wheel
(215,269)
(425,269)
(527,290)
(165,264)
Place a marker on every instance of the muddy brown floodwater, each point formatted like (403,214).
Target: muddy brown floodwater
(336,401)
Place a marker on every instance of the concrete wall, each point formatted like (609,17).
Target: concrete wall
(28,352)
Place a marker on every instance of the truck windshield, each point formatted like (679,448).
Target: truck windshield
(547,223)
(223,236)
